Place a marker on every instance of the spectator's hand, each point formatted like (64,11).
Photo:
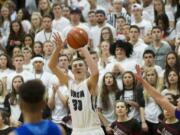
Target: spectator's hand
(17,42)
(116,69)
(11,43)
(138,73)
(109,131)
(16,123)
(4,79)
(144,126)
(132,103)
(111,9)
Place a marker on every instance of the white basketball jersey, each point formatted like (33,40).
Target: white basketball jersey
(81,106)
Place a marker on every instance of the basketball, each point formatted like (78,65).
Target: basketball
(77,38)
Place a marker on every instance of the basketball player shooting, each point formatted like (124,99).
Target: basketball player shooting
(85,120)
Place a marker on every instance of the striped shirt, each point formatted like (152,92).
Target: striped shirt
(111,18)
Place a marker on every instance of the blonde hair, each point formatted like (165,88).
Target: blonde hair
(38,14)
(158,82)
(101,62)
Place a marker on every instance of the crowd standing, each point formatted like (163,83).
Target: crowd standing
(92,90)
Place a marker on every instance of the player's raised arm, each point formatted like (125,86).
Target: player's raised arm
(54,58)
(161,100)
(93,79)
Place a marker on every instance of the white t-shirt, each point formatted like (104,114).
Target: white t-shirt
(152,111)
(170,12)
(60,24)
(47,78)
(109,113)
(15,112)
(127,64)
(43,36)
(148,13)
(46,66)
(26,25)
(60,111)
(96,34)
(144,27)
(138,50)
(166,91)
(159,70)
(83,5)
(178,26)
(5,73)
(28,67)
(106,4)
(25,74)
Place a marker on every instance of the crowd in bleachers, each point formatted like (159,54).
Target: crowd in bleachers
(122,34)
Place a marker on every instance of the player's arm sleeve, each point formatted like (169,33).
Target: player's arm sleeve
(55,130)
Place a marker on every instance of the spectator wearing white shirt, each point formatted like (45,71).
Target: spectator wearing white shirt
(83,5)
(143,24)
(138,45)
(57,102)
(36,21)
(23,16)
(122,51)
(59,22)
(27,53)
(18,61)
(47,78)
(104,3)
(5,66)
(101,23)
(92,22)
(64,63)
(170,9)
(47,33)
(148,10)
(48,48)
(75,17)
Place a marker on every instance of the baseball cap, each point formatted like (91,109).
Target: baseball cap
(75,10)
(136,6)
(100,11)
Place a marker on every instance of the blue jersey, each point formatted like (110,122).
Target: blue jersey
(177,114)
(44,127)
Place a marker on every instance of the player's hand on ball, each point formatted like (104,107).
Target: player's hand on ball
(58,41)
